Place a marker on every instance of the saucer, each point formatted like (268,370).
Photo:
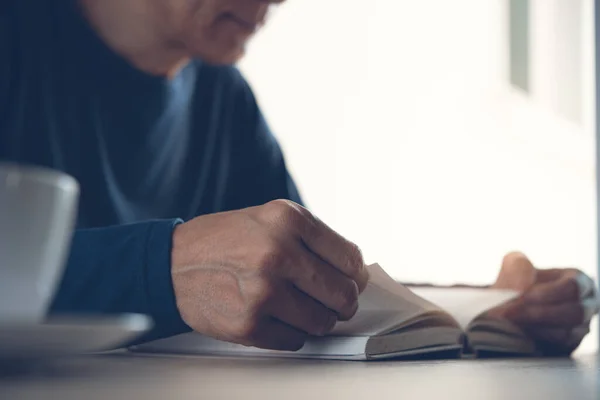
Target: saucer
(70,335)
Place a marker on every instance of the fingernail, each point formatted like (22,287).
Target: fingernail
(585,284)
(590,308)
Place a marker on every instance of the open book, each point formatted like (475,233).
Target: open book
(392,321)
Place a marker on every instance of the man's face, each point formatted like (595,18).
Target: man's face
(215,30)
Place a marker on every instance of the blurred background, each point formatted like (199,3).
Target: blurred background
(439,135)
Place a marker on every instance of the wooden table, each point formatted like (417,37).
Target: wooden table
(130,376)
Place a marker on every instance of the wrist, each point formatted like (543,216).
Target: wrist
(159,283)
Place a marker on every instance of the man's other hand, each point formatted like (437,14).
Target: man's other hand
(555,306)
(265,276)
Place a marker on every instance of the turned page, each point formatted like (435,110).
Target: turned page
(383,305)
(465,304)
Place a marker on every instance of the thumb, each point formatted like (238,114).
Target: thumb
(517,273)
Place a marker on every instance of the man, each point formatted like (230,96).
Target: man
(138,101)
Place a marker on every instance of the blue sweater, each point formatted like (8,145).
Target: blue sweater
(148,152)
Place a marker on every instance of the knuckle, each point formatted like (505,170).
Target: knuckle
(283,211)
(314,276)
(354,259)
(292,215)
(279,205)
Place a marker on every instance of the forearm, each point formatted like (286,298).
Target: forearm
(122,269)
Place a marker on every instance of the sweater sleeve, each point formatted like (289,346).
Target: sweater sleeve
(122,269)
(6,66)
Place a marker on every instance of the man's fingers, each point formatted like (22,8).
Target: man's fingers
(276,335)
(558,342)
(517,273)
(570,286)
(334,249)
(317,237)
(549,274)
(564,289)
(345,256)
(325,284)
(552,335)
(590,306)
(302,312)
(566,315)
(584,283)
(587,287)
(516,259)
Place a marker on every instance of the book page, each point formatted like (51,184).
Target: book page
(384,305)
(465,304)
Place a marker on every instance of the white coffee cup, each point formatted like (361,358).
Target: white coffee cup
(37,215)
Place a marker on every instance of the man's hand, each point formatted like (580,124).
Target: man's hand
(555,306)
(265,276)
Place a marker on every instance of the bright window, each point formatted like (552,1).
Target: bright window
(408,128)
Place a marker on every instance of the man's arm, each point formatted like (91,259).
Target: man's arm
(128,268)
(122,269)
(6,60)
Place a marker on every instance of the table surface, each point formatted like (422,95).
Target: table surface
(135,376)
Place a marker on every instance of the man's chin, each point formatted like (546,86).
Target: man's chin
(219,55)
